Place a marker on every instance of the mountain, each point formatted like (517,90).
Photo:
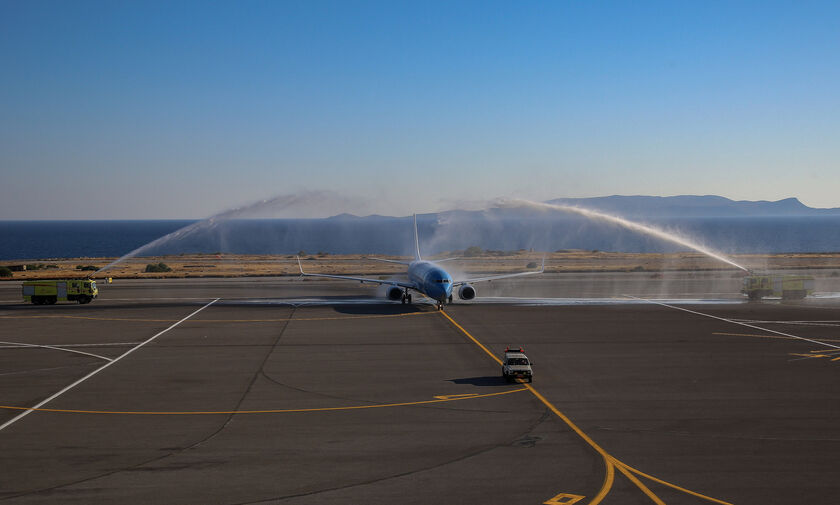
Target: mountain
(694,206)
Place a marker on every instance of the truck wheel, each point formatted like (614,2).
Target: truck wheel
(530,379)
(83,299)
(51,300)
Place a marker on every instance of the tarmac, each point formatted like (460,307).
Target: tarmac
(276,390)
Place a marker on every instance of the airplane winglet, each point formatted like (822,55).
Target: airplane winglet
(416,241)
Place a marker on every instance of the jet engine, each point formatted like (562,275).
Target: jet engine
(466,292)
(394,293)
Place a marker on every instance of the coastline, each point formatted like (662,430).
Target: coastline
(240,265)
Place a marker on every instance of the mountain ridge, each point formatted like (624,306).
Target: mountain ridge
(694,206)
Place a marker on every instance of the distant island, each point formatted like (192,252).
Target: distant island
(694,206)
(728,226)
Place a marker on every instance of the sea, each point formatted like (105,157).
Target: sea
(41,240)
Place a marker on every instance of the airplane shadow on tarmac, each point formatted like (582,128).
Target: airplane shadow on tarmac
(377,309)
(493,380)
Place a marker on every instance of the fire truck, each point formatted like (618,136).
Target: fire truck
(786,287)
(47,292)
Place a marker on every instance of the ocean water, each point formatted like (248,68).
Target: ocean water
(74,239)
(385,235)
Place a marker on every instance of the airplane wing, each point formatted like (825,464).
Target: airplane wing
(390,261)
(501,276)
(408,262)
(409,285)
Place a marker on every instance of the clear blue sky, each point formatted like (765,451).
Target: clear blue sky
(182,109)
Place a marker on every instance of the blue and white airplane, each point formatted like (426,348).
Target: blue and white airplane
(427,278)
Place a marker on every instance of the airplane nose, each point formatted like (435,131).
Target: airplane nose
(440,293)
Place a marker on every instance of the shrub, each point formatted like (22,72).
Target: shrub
(532,264)
(472,251)
(159,267)
(301,253)
(92,268)
(5,272)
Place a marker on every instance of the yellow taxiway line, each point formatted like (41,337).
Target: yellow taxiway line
(438,399)
(143,320)
(780,337)
(610,462)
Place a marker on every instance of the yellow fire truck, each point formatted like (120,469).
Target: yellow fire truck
(47,292)
(787,287)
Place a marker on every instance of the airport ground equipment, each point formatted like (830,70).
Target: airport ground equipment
(47,292)
(516,364)
(787,287)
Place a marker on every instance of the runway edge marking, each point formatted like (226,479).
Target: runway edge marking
(54,347)
(610,462)
(103,367)
(735,322)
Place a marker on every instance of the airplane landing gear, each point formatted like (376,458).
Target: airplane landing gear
(406,297)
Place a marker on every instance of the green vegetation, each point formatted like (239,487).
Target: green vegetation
(5,272)
(159,267)
(92,268)
(301,253)
(41,266)
(532,264)
(473,251)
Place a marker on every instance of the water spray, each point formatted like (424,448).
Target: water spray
(625,223)
(308,203)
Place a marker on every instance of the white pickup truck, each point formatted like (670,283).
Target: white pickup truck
(516,364)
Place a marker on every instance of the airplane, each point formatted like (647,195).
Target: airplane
(425,277)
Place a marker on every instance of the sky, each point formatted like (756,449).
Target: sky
(158,110)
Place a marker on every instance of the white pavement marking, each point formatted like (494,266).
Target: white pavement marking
(735,322)
(791,323)
(103,367)
(109,344)
(12,345)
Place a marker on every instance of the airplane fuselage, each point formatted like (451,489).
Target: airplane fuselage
(426,277)
(431,280)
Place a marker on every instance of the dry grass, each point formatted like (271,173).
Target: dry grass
(211,265)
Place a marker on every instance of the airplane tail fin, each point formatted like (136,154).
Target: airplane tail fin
(416,241)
